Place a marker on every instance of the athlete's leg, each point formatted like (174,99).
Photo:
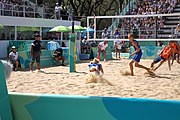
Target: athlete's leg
(141,66)
(177,58)
(161,62)
(131,67)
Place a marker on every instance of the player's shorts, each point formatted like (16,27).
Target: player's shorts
(101,51)
(137,57)
(36,57)
(158,59)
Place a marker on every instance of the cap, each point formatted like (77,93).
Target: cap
(13,47)
(37,35)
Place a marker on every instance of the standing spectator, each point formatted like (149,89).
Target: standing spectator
(102,47)
(105,34)
(36,52)
(117,46)
(57,11)
(116,33)
(13,56)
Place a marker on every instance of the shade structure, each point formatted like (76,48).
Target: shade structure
(90,30)
(60,29)
(77,28)
(27,29)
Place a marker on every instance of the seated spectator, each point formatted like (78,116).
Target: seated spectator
(14,59)
(63,44)
(58,55)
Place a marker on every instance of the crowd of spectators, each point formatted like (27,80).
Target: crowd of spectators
(16,8)
(57,11)
(147,25)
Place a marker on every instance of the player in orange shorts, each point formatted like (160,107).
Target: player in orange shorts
(166,54)
(176,49)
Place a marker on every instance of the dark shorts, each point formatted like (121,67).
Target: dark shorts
(158,59)
(117,50)
(14,62)
(101,51)
(36,57)
(137,57)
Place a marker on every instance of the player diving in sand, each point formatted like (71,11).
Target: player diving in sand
(137,55)
(165,55)
(96,67)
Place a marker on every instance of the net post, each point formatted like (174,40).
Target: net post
(94,27)
(88,28)
(72,45)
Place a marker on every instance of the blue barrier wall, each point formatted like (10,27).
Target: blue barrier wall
(61,107)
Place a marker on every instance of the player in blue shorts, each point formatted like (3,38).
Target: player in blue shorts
(96,67)
(137,55)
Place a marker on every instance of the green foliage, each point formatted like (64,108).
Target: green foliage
(83,8)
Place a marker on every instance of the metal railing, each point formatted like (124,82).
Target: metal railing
(141,33)
(31,11)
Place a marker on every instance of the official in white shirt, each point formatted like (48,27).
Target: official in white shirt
(13,56)
(102,47)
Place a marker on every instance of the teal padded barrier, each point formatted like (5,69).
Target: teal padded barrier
(46,58)
(62,107)
(5,111)
(23,48)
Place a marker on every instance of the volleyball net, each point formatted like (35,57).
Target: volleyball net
(152,27)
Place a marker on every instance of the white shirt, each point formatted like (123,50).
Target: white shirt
(105,34)
(57,9)
(13,56)
(103,46)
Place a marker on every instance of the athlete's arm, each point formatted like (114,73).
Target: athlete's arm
(137,48)
(101,69)
(172,55)
(169,64)
(178,46)
(162,51)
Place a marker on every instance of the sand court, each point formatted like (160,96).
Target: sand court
(58,80)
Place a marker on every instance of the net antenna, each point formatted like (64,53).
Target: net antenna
(128,16)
